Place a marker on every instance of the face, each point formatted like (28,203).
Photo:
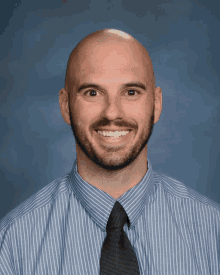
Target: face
(111,105)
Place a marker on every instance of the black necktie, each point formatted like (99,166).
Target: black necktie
(117,255)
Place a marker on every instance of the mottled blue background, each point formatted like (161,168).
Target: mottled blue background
(37,37)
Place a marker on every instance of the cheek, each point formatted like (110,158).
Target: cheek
(85,113)
(140,111)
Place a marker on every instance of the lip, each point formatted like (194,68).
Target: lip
(112,130)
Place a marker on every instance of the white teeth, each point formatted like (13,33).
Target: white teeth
(113,134)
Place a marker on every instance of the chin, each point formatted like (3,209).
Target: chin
(111,161)
(113,165)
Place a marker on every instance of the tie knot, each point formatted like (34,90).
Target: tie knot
(117,218)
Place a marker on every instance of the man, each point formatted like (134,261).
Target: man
(112,214)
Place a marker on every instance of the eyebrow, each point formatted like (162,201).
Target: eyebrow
(87,85)
(137,84)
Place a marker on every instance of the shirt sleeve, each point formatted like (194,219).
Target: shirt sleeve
(6,261)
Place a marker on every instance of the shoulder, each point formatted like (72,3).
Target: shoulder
(40,200)
(186,196)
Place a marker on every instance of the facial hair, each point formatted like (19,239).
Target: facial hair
(113,164)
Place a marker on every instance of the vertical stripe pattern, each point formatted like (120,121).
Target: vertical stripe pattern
(60,230)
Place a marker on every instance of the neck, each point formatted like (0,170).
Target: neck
(115,183)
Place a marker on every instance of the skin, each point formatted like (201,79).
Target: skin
(111,59)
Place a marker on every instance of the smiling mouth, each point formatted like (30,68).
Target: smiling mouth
(113,134)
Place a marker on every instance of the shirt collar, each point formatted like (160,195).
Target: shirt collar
(98,204)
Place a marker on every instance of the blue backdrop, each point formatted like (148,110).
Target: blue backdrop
(37,37)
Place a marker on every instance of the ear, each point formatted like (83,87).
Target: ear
(157,104)
(64,105)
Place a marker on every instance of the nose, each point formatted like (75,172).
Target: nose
(113,109)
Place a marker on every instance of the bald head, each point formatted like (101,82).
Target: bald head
(106,48)
(110,88)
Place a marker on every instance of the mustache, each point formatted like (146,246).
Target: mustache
(120,123)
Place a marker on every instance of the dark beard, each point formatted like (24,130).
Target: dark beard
(87,149)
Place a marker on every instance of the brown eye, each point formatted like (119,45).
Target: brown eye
(91,93)
(132,92)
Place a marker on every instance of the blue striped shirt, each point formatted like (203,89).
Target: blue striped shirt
(60,229)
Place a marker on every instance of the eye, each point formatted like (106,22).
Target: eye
(133,92)
(91,93)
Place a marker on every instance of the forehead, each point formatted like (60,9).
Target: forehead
(111,60)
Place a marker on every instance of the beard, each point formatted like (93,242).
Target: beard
(108,161)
